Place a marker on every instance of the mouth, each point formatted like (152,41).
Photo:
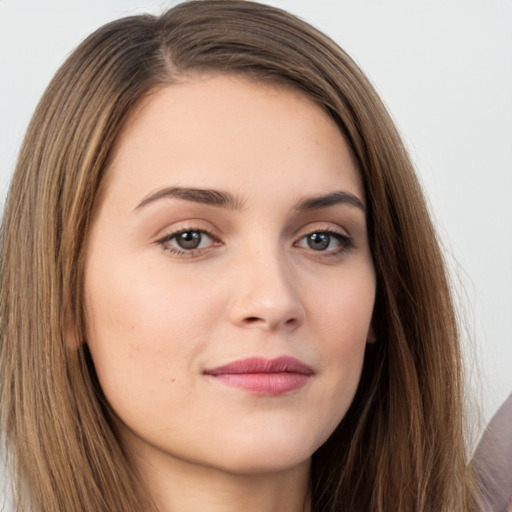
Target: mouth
(260,376)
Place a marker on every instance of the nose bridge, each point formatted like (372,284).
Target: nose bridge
(265,293)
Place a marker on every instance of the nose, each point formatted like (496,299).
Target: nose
(266,295)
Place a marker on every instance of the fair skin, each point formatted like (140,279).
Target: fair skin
(183,286)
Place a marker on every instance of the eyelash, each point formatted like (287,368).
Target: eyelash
(164,242)
(346,243)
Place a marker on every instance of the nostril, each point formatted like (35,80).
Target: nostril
(256,320)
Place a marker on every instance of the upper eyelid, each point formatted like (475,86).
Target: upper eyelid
(173,234)
(184,226)
(321,226)
(297,233)
(205,226)
(170,236)
(346,238)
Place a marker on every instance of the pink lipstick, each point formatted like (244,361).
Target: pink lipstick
(260,376)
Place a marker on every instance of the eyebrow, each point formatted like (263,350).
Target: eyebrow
(196,195)
(338,197)
(220,199)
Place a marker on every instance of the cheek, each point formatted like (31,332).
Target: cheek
(142,331)
(343,308)
(144,303)
(341,318)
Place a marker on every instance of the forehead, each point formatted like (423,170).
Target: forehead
(224,127)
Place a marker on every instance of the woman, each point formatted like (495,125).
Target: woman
(221,288)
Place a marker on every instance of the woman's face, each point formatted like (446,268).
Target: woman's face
(229,285)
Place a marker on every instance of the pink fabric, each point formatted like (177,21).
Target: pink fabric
(493,461)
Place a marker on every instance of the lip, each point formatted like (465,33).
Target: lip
(261,376)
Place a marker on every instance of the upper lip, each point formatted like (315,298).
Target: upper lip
(283,364)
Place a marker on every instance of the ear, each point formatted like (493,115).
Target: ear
(371,336)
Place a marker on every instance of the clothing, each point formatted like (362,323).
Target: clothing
(493,461)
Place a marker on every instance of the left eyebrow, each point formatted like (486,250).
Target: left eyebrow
(338,197)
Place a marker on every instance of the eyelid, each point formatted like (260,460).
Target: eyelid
(345,240)
(321,226)
(163,239)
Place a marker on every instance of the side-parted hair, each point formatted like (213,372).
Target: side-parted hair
(400,446)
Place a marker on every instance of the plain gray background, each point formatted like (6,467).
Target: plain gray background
(444,68)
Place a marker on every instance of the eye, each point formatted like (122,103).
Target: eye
(319,241)
(187,241)
(325,241)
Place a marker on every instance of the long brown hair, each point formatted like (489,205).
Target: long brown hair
(399,448)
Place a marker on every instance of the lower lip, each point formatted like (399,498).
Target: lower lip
(267,384)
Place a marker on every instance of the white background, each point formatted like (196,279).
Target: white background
(443,67)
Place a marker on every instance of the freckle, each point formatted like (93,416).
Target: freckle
(173,380)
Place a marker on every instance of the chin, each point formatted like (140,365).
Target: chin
(268,454)
(264,465)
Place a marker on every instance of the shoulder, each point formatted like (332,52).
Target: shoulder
(492,461)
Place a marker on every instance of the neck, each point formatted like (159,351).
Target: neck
(178,485)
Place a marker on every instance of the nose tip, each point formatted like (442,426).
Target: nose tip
(267,300)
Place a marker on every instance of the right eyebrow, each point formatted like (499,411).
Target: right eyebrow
(210,197)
